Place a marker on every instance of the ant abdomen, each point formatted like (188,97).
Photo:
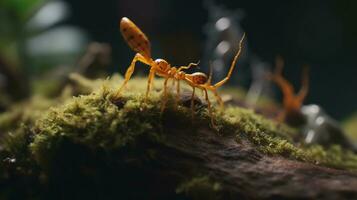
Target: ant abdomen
(135,38)
(198,78)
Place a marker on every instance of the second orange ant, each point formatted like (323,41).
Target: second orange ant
(138,42)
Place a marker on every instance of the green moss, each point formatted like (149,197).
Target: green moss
(334,156)
(17,142)
(96,122)
(27,112)
(46,87)
(268,136)
(200,188)
(273,139)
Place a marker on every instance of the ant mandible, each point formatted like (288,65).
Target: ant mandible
(138,42)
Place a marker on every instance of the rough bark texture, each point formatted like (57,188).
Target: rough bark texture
(240,170)
(248,174)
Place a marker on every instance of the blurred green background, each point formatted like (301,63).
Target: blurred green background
(36,42)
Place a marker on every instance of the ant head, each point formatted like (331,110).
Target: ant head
(199,78)
(162,65)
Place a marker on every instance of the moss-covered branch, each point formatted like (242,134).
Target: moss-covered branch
(91,147)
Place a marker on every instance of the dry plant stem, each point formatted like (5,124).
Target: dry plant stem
(305,84)
(291,102)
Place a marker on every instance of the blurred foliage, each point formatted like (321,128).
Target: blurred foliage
(32,43)
(350,126)
(21,10)
(13,16)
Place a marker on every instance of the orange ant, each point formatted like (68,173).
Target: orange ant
(138,42)
(291,102)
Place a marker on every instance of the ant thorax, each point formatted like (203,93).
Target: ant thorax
(179,75)
(162,66)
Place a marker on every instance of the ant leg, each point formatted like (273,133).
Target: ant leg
(173,84)
(177,99)
(150,79)
(219,99)
(193,104)
(164,99)
(129,72)
(223,81)
(209,80)
(209,108)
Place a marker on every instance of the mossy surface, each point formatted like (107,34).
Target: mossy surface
(84,118)
(96,129)
(96,122)
(200,188)
(99,123)
(28,111)
(350,126)
(24,113)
